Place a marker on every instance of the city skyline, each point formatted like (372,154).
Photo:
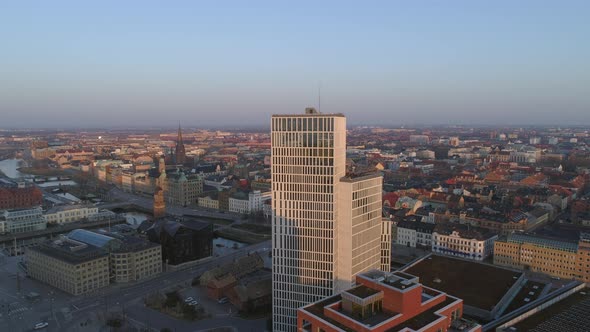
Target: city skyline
(99,65)
(310,166)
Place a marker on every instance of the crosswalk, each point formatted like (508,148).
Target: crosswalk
(16,309)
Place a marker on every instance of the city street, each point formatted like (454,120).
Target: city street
(64,312)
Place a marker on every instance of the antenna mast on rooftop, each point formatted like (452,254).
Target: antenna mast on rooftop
(320,97)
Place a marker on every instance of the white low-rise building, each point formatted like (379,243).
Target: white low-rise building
(242,202)
(267,209)
(256,200)
(63,214)
(209,201)
(22,220)
(239,203)
(102,214)
(463,241)
(415,234)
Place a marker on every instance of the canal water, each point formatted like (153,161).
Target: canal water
(135,218)
(10,168)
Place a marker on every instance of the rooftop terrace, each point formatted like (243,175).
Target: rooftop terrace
(317,309)
(362,291)
(423,319)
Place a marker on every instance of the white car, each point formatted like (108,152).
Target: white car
(39,326)
(188,300)
(193,303)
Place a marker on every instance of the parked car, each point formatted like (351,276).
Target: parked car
(42,325)
(223,300)
(188,300)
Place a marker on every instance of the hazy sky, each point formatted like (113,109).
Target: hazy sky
(142,63)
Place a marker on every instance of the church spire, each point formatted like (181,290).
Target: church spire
(180,156)
(179,139)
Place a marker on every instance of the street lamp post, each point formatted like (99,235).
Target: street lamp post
(51,298)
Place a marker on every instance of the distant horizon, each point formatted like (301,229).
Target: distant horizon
(266,127)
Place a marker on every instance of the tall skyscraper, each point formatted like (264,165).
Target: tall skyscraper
(326,223)
(179,153)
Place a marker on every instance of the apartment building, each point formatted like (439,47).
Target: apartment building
(413,233)
(19,196)
(555,257)
(463,241)
(130,258)
(182,189)
(238,202)
(248,202)
(135,259)
(71,266)
(62,214)
(209,201)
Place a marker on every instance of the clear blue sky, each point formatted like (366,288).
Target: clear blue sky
(142,63)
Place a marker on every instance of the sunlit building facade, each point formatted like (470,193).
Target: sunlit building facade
(326,224)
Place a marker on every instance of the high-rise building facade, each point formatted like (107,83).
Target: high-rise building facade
(326,225)
(358,227)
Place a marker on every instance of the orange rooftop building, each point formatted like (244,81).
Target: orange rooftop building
(386,302)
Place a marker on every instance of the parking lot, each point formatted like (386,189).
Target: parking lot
(214,308)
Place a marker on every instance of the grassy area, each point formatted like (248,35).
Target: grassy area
(255,228)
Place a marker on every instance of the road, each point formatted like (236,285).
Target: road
(127,295)
(67,315)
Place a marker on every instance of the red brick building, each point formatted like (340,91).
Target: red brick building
(384,301)
(18,197)
(581,206)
